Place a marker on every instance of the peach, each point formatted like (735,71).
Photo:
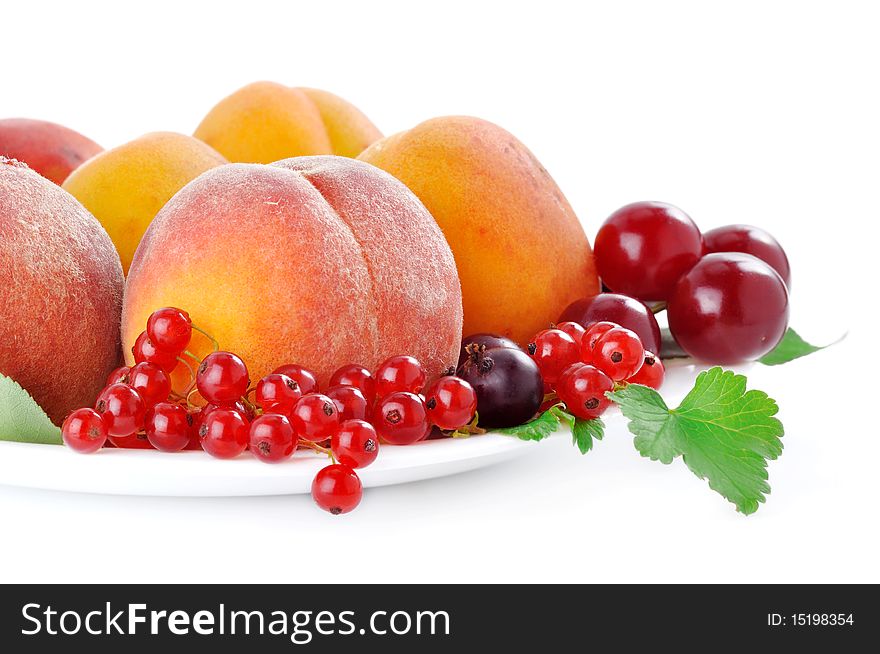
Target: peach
(61,296)
(264,122)
(125,187)
(522,255)
(52,150)
(319,261)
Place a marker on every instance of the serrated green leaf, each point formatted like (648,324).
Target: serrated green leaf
(791,347)
(584,431)
(535,430)
(723,433)
(563,415)
(22,419)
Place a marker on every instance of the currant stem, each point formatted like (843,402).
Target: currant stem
(657,307)
(317,448)
(207,335)
(192,374)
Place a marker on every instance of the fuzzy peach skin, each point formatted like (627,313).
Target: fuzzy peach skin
(265,122)
(522,255)
(52,150)
(61,296)
(125,187)
(319,261)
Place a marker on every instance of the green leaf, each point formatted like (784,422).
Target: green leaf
(536,430)
(723,433)
(584,431)
(791,347)
(21,418)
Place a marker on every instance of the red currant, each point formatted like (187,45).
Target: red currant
(272,438)
(170,329)
(84,431)
(554,351)
(135,441)
(145,350)
(315,417)
(651,373)
(573,329)
(399,374)
(618,353)
(355,443)
(357,376)
(224,433)
(592,335)
(151,382)
(118,376)
(277,393)
(121,408)
(583,389)
(169,427)
(305,378)
(451,402)
(619,309)
(337,489)
(350,402)
(222,377)
(401,418)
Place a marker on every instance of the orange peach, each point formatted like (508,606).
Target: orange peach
(319,261)
(125,187)
(264,122)
(61,296)
(50,149)
(522,255)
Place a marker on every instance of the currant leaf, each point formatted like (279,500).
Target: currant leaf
(535,430)
(23,420)
(791,347)
(585,431)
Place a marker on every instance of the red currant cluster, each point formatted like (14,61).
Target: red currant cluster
(580,365)
(283,412)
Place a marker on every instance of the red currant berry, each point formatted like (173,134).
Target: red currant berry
(145,350)
(337,489)
(170,329)
(401,418)
(135,441)
(195,418)
(620,310)
(350,402)
(399,374)
(305,378)
(222,377)
(277,393)
(122,409)
(224,433)
(573,329)
(592,335)
(84,431)
(355,443)
(583,389)
(315,417)
(118,376)
(451,402)
(151,382)
(651,373)
(169,427)
(272,438)
(618,353)
(554,351)
(357,376)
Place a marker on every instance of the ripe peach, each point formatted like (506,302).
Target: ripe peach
(264,122)
(319,261)
(51,150)
(61,296)
(125,187)
(522,255)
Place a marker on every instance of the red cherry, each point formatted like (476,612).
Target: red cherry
(399,374)
(272,438)
(350,402)
(651,373)
(355,443)
(619,309)
(84,431)
(145,350)
(169,427)
(554,351)
(224,433)
(583,389)
(277,393)
(618,353)
(401,418)
(151,382)
(222,377)
(337,489)
(451,402)
(315,417)
(305,378)
(122,409)
(170,329)
(751,240)
(355,375)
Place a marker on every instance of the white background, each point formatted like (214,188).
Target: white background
(760,112)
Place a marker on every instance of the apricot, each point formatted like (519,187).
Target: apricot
(265,122)
(52,150)
(319,261)
(61,296)
(125,187)
(522,255)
